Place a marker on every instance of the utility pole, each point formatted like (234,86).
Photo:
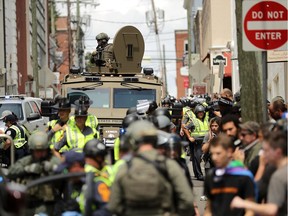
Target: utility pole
(163,75)
(69,32)
(52,19)
(77,33)
(34,47)
(189,14)
(164,72)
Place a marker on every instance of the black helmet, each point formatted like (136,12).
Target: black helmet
(94,148)
(162,111)
(131,110)
(162,138)
(129,119)
(152,106)
(172,99)
(81,111)
(166,100)
(83,100)
(174,143)
(199,108)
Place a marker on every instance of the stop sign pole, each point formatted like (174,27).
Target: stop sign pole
(265,27)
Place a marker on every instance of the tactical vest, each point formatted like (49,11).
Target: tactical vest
(18,140)
(76,140)
(201,127)
(102,176)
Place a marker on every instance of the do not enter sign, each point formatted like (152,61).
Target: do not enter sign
(265,25)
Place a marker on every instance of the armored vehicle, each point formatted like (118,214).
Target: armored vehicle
(115,87)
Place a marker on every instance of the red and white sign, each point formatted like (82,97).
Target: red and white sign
(186,82)
(199,89)
(265,25)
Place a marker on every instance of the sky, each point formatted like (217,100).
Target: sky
(111,15)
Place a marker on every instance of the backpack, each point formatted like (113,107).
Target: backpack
(146,183)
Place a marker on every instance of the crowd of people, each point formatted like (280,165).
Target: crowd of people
(245,163)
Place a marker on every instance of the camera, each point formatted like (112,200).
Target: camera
(48,110)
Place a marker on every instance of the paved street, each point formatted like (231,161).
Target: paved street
(198,187)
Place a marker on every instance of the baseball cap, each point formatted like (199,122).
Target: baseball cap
(10,117)
(251,126)
(70,158)
(5,113)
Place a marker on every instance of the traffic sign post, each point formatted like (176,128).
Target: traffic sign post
(265,25)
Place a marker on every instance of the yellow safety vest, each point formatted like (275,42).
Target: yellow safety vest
(57,135)
(201,127)
(76,140)
(104,194)
(116,148)
(18,140)
(91,122)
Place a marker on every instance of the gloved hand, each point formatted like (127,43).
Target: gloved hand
(35,168)
(48,166)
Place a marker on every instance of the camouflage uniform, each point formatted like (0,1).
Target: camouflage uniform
(43,197)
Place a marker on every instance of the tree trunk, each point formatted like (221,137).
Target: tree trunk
(250,76)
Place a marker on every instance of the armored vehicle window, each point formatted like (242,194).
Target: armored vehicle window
(13,107)
(99,96)
(125,98)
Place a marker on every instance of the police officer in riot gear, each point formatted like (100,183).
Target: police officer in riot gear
(95,152)
(128,119)
(104,55)
(40,163)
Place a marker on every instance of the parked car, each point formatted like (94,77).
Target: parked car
(27,109)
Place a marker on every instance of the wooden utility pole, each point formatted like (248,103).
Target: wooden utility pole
(250,78)
(69,33)
(163,75)
(34,47)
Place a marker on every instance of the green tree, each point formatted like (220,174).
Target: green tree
(250,70)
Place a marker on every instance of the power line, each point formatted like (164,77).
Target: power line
(131,23)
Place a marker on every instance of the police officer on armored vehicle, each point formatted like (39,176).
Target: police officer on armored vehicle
(104,55)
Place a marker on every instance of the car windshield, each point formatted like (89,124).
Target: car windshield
(125,98)
(13,107)
(99,96)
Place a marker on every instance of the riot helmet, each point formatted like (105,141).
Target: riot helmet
(131,110)
(162,111)
(141,131)
(174,146)
(102,36)
(94,148)
(38,141)
(83,100)
(152,107)
(162,138)
(129,119)
(199,108)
